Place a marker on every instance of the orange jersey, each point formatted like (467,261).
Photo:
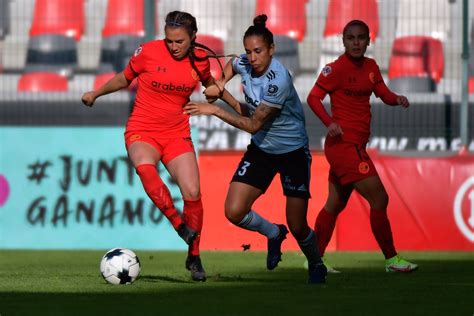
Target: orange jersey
(350,85)
(164,87)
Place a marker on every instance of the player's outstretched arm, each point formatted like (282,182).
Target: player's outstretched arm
(252,124)
(117,82)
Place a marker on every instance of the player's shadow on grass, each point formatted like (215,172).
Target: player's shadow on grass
(162,278)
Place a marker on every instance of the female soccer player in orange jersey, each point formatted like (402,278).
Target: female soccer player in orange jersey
(350,80)
(157,130)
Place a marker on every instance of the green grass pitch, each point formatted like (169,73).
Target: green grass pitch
(69,283)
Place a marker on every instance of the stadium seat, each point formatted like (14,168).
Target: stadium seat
(217,45)
(412,84)
(419,58)
(471,85)
(42,82)
(57,26)
(287,53)
(116,50)
(56,53)
(287,21)
(4,19)
(342,11)
(471,60)
(285,17)
(124,17)
(58,17)
(122,33)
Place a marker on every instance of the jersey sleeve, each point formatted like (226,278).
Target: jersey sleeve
(276,91)
(377,75)
(381,90)
(136,65)
(240,64)
(203,65)
(328,79)
(206,71)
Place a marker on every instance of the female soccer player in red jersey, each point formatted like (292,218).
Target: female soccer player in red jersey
(350,80)
(157,129)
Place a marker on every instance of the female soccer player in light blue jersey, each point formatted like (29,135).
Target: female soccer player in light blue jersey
(273,114)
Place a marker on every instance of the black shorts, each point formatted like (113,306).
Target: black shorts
(258,168)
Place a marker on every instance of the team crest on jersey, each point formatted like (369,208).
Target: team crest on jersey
(372,77)
(138,51)
(272,89)
(326,71)
(134,137)
(364,167)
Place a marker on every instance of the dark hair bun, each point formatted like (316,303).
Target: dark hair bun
(260,20)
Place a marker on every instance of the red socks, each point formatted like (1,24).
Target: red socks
(324,227)
(382,232)
(159,193)
(193,216)
(325,223)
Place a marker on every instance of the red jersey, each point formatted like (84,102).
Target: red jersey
(164,87)
(350,85)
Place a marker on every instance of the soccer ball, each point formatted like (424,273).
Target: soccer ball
(120,266)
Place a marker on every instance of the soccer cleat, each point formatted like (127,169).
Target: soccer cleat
(274,247)
(398,264)
(329,268)
(186,233)
(193,264)
(317,273)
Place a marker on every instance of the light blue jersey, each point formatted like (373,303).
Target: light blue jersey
(275,88)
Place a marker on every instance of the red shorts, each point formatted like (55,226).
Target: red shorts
(348,162)
(169,148)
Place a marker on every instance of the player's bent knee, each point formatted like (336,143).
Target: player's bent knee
(191,193)
(234,215)
(300,232)
(381,202)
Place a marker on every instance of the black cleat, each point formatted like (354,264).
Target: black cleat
(193,264)
(317,273)
(274,247)
(188,234)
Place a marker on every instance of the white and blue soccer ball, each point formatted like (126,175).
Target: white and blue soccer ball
(120,266)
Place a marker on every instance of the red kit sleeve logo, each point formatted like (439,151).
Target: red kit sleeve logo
(326,71)
(138,51)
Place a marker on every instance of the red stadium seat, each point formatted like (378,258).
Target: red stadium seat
(124,17)
(342,11)
(58,17)
(471,85)
(417,56)
(42,82)
(217,45)
(285,17)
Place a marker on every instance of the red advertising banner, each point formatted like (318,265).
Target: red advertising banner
(431,204)
(219,234)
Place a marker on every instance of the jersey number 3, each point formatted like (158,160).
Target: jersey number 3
(243,168)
